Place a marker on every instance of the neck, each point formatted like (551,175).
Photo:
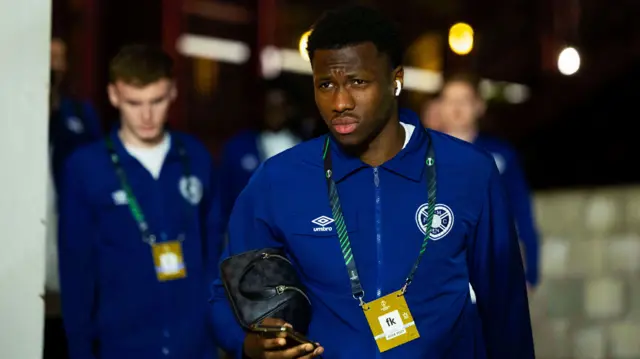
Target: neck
(468,135)
(386,145)
(131,140)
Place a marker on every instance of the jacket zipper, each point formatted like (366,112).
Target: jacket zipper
(378,209)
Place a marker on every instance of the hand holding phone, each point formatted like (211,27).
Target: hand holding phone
(272,332)
(275,339)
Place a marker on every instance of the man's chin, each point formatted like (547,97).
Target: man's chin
(351,143)
(150,136)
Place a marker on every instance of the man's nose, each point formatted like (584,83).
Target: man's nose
(343,100)
(145,112)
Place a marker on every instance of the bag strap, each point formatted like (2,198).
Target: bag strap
(266,292)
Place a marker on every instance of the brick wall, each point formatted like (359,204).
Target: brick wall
(588,303)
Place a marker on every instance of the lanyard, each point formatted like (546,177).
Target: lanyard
(132,201)
(343,235)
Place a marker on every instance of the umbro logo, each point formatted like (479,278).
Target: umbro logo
(322,222)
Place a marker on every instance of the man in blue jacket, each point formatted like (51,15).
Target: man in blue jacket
(73,123)
(244,152)
(460,110)
(382,192)
(430,114)
(139,232)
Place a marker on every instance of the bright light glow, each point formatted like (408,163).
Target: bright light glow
(292,62)
(488,89)
(302,47)
(569,61)
(422,80)
(271,62)
(461,38)
(516,93)
(212,48)
(274,61)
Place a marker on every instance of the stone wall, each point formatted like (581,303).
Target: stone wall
(588,303)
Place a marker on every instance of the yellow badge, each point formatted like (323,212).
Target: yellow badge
(390,321)
(168,260)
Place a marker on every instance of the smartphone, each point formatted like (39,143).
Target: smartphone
(272,331)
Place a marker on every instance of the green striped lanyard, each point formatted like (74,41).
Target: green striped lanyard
(132,201)
(341,227)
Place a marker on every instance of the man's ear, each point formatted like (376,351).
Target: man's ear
(398,80)
(173,94)
(114,98)
(480,107)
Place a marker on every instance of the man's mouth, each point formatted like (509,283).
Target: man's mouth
(344,125)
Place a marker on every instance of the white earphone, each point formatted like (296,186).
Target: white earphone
(398,87)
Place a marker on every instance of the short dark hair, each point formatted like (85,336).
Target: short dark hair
(140,65)
(353,25)
(468,78)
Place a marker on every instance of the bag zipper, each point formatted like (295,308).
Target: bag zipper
(283,288)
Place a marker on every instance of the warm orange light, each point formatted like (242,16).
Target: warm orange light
(461,38)
(302,47)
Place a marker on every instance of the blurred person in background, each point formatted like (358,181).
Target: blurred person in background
(73,123)
(139,228)
(243,153)
(461,107)
(357,210)
(430,114)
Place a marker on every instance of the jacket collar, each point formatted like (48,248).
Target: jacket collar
(409,162)
(121,151)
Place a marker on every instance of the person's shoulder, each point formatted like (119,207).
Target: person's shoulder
(89,153)
(192,144)
(458,152)
(240,142)
(503,153)
(308,153)
(462,159)
(87,161)
(73,103)
(86,104)
(495,145)
(292,164)
(67,100)
(243,136)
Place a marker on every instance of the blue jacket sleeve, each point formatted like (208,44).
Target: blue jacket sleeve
(250,227)
(214,226)
(77,239)
(228,186)
(234,179)
(520,200)
(497,276)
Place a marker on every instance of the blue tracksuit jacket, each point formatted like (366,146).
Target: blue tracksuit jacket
(113,305)
(474,243)
(240,158)
(74,125)
(519,197)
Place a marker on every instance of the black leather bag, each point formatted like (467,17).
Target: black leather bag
(264,284)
